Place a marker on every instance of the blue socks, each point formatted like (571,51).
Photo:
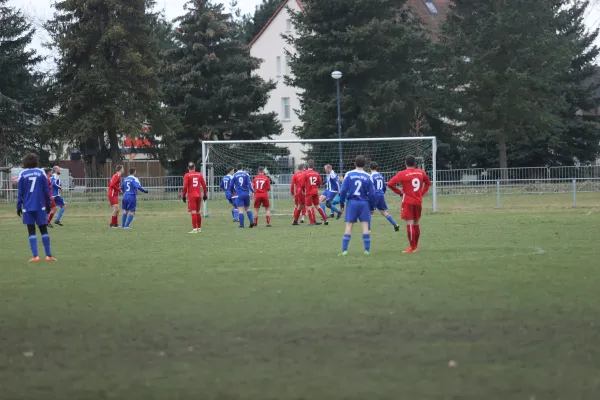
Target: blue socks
(389,218)
(235,213)
(322,205)
(60,214)
(367,241)
(123,220)
(129,219)
(334,209)
(33,245)
(46,241)
(241,218)
(345,242)
(250,216)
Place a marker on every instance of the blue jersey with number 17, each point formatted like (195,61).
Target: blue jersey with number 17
(357,186)
(378,183)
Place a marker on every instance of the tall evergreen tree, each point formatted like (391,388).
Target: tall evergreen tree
(214,90)
(107,80)
(252,24)
(502,70)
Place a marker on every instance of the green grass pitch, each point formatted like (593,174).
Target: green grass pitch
(512,296)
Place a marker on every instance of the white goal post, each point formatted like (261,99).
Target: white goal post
(281,159)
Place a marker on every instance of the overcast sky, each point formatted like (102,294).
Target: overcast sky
(39,11)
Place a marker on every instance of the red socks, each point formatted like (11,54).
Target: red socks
(413,232)
(311,215)
(304,211)
(268,220)
(256,221)
(417,233)
(50,216)
(113,219)
(196,221)
(297,214)
(322,213)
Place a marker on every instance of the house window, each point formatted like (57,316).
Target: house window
(278,65)
(287,65)
(286,112)
(288,25)
(432,8)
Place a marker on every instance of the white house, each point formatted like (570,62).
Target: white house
(270,47)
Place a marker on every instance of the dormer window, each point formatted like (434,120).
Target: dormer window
(431,7)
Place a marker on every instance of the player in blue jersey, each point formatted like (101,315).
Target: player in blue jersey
(57,194)
(242,184)
(130,187)
(32,203)
(380,187)
(359,193)
(227,186)
(333,189)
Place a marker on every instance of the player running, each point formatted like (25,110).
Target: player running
(380,187)
(359,193)
(312,181)
(415,184)
(243,186)
(262,186)
(114,188)
(33,198)
(130,187)
(56,193)
(333,189)
(51,209)
(192,181)
(227,186)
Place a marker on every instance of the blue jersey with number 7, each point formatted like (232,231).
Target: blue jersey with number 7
(33,190)
(357,186)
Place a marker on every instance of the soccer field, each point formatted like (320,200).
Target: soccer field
(511,296)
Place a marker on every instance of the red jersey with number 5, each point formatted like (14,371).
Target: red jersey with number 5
(312,181)
(261,185)
(415,184)
(191,185)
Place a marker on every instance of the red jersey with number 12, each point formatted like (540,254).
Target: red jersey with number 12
(312,181)
(191,185)
(415,184)
(261,185)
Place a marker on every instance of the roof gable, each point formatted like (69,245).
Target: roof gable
(283,4)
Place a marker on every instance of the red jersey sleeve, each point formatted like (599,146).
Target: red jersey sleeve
(396,180)
(203,184)
(114,183)
(185,185)
(426,184)
(293,184)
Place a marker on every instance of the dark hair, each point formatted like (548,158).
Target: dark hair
(373,166)
(131,171)
(360,161)
(191,165)
(411,161)
(239,166)
(30,161)
(118,168)
(229,169)
(46,170)
(300,167)
(261,170)
(310,164)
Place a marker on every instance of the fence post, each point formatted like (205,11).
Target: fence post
(574,193)
(498,192)
(272,198)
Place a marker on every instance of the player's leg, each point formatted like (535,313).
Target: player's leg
(125,207)
(332,207)
(299,207)
(46,241)
(364,217)
(51,214)
(267,205)
(29,219)
(257,204)
(408,217)
(130,217)
(416,227)
(322,200)
(310,209)
(350,219)
(60,202)
(321,210)
(249,212)
(382,207)
(240,206)
(304,211)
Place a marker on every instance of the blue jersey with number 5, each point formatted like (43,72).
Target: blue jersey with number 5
(378,183)
(131,185)
(242,184)
(358,186)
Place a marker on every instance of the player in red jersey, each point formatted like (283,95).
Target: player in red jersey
(192,181)
(312,181)
(297,191)
(415,184)
(114,188)
(262,185)
(52,208)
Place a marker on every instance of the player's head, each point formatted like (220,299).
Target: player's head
(360,161)
(229,170)
(30,161)
(48,171)
(119,169)
(328,168)
(191,166)
(261,170)
(300,167)
(132,171)
(410,162)
(239,166)
(373,166)
(310,164)
(56,170)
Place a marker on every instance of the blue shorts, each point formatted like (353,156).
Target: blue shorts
(60,202)
(357,210)
(129,203)
(38,218)
(329,195)
(242,201)
(381,205)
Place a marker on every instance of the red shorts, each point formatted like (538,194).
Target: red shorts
(411,211)
(311,199)
(261,202)
(299,198)
(111,199)
(194,204)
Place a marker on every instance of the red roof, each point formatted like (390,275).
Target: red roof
(129,142)
(299,2)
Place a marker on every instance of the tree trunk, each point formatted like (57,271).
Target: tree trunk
(113,142)
(502,156)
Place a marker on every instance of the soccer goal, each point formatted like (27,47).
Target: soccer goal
(281,159)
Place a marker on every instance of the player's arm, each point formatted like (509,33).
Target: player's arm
(268,184)
(139,187)
(46,190)
(293,184)
(397,179)
(426,184)
(204,188)
(371,195)
(114,185)
(343,193)
(21,195)
(249,183)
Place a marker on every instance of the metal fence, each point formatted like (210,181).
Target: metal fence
(461,182)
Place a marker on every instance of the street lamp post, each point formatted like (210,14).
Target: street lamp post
(337,75)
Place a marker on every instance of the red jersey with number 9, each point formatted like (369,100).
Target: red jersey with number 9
(192,181)
(312,181)
(415,184)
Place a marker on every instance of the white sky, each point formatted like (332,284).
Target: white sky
(39,11)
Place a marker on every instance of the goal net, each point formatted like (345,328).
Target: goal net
(281,159)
